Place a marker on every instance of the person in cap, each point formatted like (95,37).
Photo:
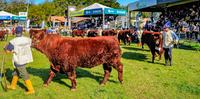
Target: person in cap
(20,46)
(169,39)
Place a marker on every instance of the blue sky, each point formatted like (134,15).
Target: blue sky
(122,2)
(125,2)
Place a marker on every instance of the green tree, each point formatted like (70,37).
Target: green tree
(16,6)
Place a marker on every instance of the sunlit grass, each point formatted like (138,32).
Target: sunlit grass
(142,79)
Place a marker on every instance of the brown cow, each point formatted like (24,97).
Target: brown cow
(125,36)
(80,33)
(34,31)
(2,35)
(92,33)
(154,42)
(109,32)
(65,54)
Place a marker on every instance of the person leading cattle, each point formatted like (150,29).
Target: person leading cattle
(169,39)
(20,46)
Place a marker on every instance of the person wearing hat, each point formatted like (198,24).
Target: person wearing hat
(169,39)
(20,46)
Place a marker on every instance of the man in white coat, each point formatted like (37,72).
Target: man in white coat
(20,46)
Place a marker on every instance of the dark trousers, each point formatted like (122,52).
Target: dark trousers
(168,55)
(21,72)
(188,35)
(196,35)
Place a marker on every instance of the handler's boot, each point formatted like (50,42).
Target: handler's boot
(29,87)
(13,83)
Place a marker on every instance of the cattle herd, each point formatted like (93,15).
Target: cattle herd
(87,49)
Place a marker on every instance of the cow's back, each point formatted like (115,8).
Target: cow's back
(88,52)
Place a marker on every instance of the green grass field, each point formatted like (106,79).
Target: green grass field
(142,79)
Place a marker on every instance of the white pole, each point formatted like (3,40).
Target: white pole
(27,10)
(68,17)
(69,20)
(103,18)
(115,22)
(128,18)
(27,16)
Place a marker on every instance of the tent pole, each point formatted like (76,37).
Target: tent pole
(115,23)
(128,18)
(103,19)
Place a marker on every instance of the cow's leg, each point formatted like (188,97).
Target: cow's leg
(159,53)
(52,74)
(153,54)
(72,76)
(107,70)
(119,40)
(129,42)
(119,67)
(124,41)
(142,45)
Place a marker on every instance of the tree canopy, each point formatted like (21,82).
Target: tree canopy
(39,12)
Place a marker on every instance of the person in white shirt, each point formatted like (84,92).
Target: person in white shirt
(169,39)
(20,46)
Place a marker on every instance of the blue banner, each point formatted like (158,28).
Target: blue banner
(20,18)
(115,11)
(93,12)
(4,17)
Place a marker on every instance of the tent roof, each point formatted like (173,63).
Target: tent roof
(95,6)
(57,18)
(4,13)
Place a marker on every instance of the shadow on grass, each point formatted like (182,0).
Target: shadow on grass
(187,47)
(135,49)
(134,56)
(44,73)
(156,63)
(9,78)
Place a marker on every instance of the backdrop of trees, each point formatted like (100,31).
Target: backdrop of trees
(39,12)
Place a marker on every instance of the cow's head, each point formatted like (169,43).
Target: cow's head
(36,38)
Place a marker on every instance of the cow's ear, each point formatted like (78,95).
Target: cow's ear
(41,35)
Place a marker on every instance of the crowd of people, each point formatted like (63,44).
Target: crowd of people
(184,20)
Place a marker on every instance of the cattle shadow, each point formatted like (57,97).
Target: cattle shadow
(135,49)
(134,56)
(81,73)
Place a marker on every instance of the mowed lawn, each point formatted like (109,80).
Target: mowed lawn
(142,79)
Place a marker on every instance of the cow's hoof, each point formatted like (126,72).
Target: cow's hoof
(121,82)
(102,83)
(73,89)
(45,85)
